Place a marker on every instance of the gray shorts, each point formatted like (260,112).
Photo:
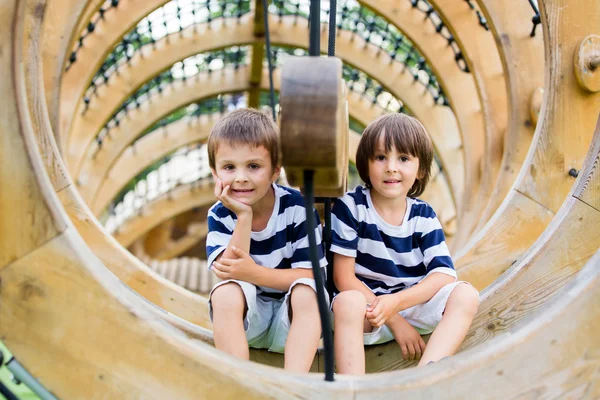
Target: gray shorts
(423,317)
(267,321)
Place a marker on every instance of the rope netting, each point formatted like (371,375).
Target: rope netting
(182,71)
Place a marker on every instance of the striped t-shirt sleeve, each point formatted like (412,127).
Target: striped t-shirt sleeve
(344,227)
(300,247)
(436,255)
(219,233)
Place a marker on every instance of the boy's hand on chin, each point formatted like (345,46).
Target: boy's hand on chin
(381,310)
(222,194)
(243,268)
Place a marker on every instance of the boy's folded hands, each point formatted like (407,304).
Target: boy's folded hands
(381,309)
(384,310)
(242,268)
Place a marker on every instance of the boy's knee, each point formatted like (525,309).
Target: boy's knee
(349,304)
(228,298)
(303,299)
(466,297)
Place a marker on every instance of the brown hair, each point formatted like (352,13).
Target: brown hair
(245,126)
(408,136)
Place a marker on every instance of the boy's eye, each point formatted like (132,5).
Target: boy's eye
(228,167)
(254,166)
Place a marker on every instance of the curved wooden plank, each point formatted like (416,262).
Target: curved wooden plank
(485,65)
(561,338)
(127,268)
(28,207)
(562,137)
(521,55)
(148,150)
(131,76)
(168,205)
(62,23)
(158,106)
(94,52)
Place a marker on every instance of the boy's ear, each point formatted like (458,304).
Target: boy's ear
(276,173)
(214,174)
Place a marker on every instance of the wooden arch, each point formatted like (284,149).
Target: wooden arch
(439,121)
(560,143)
(518,48)
(456,85)
(162,141)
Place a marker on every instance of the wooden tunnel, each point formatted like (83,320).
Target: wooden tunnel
(519,151)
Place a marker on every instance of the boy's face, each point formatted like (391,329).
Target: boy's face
(392,173)
(247,169)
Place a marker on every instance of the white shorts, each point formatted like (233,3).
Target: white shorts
(423,317)
(267,321)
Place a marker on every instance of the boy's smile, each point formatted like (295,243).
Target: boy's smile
(392,174)
(247,170)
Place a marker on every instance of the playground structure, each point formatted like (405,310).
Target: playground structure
(513,117)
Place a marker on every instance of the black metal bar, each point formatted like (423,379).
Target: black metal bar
(314,258)
(314,42)
(332,25)
(5,391)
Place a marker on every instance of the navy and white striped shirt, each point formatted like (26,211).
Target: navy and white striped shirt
(389,258)
(282,244)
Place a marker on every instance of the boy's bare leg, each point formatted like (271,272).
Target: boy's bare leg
(349,311)
(452,329)
(229,307)
(305,330)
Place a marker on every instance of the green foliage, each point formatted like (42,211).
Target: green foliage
(21,391)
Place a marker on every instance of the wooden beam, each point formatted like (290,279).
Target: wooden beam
(148,150)
(196,232)
(562,137)
(258,54)
(131,76)
(168,205)
(483,59)
(95,50)
(62,25)
(520,55)
(98,161)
